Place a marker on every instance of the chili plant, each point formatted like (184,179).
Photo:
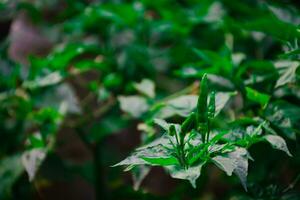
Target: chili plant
(185,148)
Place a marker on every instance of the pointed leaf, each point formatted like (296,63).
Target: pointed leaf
(139,173)
(241,170)
(278,142)
(32,160)
(191,174)
(146,87)
(226,164)
(134,105)
(288,76)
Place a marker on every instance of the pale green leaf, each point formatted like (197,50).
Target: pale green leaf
(32,160)
(50,79)
(240,155)
(221,100)
(191,174)
(278,142)
(181,106)
(186,104)
(226,164)
(138,175)
(288,75)
(134,105)
(138,157)
(146,87)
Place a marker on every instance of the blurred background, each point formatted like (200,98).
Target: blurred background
(65,63)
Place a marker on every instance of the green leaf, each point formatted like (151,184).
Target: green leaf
(167,126)
(134,105)
(154,152)
(278,142)
(36,140)
(289,54)
(62,98)
(181,106)
(146,87)
(166,161)
(191,174)
(112,80)
(138,175)
(261,98)
(162,123)
(32,160)
(271,26)
(186,104)
(240,155)
(222,99)
(10,170)
(284,116)
(226,164)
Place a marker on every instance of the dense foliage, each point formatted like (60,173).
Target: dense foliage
(181,89)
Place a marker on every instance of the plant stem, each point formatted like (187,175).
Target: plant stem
(208,131)
(180,150)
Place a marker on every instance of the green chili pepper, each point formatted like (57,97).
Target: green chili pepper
(202,108)
(188,124)
(202,101)
(172,130)
(212,106)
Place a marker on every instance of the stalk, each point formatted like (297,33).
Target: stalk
(202,108)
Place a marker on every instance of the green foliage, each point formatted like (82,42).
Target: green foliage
(185,148)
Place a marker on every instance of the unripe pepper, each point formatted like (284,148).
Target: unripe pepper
(202,101)
(212,106)
(202,108)
(188,124)
(172,130)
